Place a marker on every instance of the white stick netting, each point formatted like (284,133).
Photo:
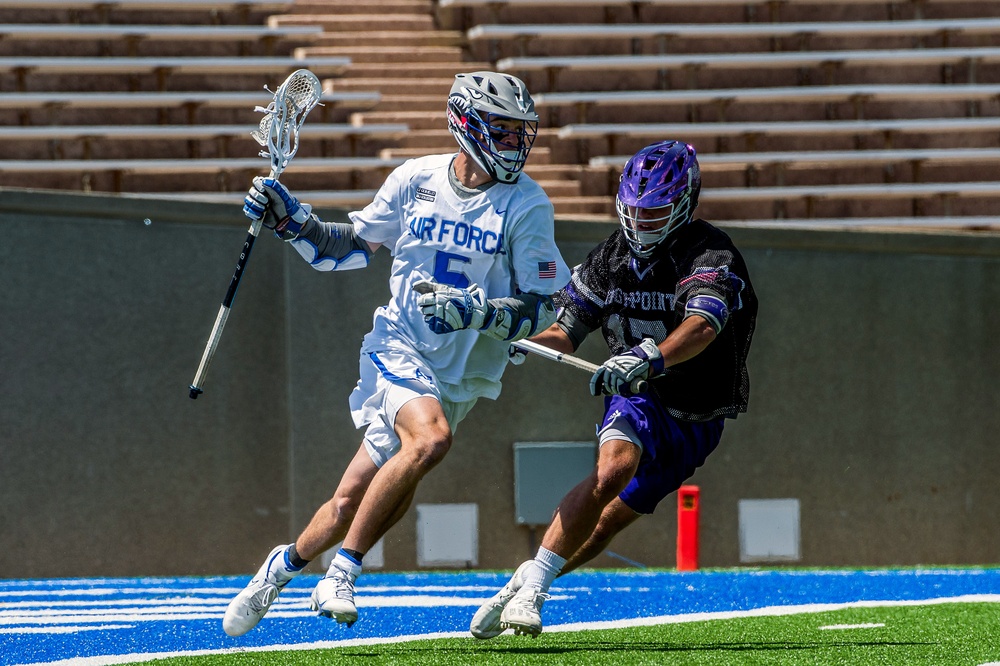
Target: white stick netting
(279,128)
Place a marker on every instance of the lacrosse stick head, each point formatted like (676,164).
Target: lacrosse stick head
(279,128)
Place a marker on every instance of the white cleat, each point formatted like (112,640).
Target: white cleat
(523,612)
(250,605)
(486,622)
(334,597)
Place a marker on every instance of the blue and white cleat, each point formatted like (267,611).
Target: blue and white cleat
(523,613)
(334,596)
(486,622)
(250,605)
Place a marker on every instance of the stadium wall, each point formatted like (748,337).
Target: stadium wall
(873,398)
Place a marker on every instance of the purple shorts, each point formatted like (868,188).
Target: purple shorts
(671,449)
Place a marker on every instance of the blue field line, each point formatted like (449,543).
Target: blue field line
(44,621)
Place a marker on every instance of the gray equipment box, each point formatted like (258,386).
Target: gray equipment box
(544,472)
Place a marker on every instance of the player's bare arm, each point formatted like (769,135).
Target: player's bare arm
(688,340)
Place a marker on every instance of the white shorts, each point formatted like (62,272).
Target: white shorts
(389,380)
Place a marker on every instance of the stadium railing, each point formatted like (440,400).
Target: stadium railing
(810,195)
(524,34)
(317,198)
(80,32)
(858,95)
(798,128)
(200,165)
(180,5)
(167,99)
(694,62)
(815,158)
(187,65)
(129,132)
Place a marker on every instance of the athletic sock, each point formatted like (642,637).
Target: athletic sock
(547,566)
(294,561)
(346,562)
(355,555)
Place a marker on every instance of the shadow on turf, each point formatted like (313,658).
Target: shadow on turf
(637,647)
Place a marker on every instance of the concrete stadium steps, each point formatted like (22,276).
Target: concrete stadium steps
(430,117)
(390,54)
(367,7)
(355,23)
(387,86)
(378,71)
(389,38)
(539,156)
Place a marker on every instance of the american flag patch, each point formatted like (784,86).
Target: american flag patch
(547,269)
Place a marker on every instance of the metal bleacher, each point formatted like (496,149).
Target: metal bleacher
(158,97)
(798,108)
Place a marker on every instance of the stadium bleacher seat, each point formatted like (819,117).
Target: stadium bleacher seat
(797,107)
(158,5)
(856,94)
(692,63)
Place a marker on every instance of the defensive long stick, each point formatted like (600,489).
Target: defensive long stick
(637,385)
(279,132)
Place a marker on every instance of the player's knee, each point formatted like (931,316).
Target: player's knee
(429,449)
(610,481)
(344,508)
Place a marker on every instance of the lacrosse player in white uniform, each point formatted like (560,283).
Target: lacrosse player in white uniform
(474,266)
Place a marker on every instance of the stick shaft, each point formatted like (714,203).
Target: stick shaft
(637,385)
(220,321)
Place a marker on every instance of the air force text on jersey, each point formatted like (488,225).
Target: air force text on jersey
(459,233)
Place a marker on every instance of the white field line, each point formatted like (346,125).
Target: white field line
(770,611)
(100,591)
(195,611)
(863,625)
(64,630)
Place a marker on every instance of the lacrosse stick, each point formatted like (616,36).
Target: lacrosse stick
(279,133)
(527,346)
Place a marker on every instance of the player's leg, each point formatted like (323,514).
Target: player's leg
(672,453)
(409,433)
(331,521)
(573,523)
(328,526)
(423,439)
(616,516)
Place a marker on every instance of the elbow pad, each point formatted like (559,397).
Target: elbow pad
(712,308)
(518,317)
(331,246)
(574,329)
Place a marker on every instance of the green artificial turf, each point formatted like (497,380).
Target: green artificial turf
(938,634)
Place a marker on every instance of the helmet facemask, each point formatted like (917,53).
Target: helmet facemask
(493,119)
(657,195)
(658,223)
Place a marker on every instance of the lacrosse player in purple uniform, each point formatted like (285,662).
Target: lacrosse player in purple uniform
(673,299)
(474,266)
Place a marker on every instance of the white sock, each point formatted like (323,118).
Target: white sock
(547,566)
(345,563)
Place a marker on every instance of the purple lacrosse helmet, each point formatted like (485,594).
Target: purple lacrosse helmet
(664,180)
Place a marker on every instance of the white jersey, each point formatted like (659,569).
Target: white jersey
(501,239)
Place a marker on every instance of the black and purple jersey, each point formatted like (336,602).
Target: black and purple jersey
(630,299)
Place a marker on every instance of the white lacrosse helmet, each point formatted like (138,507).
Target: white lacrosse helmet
(477,106)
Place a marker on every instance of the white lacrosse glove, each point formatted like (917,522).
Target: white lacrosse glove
(272,203)
(615,377)
(448,309)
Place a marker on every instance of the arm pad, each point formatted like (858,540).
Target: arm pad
(518,317)
(574,329)
(712,308)
(331,246)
